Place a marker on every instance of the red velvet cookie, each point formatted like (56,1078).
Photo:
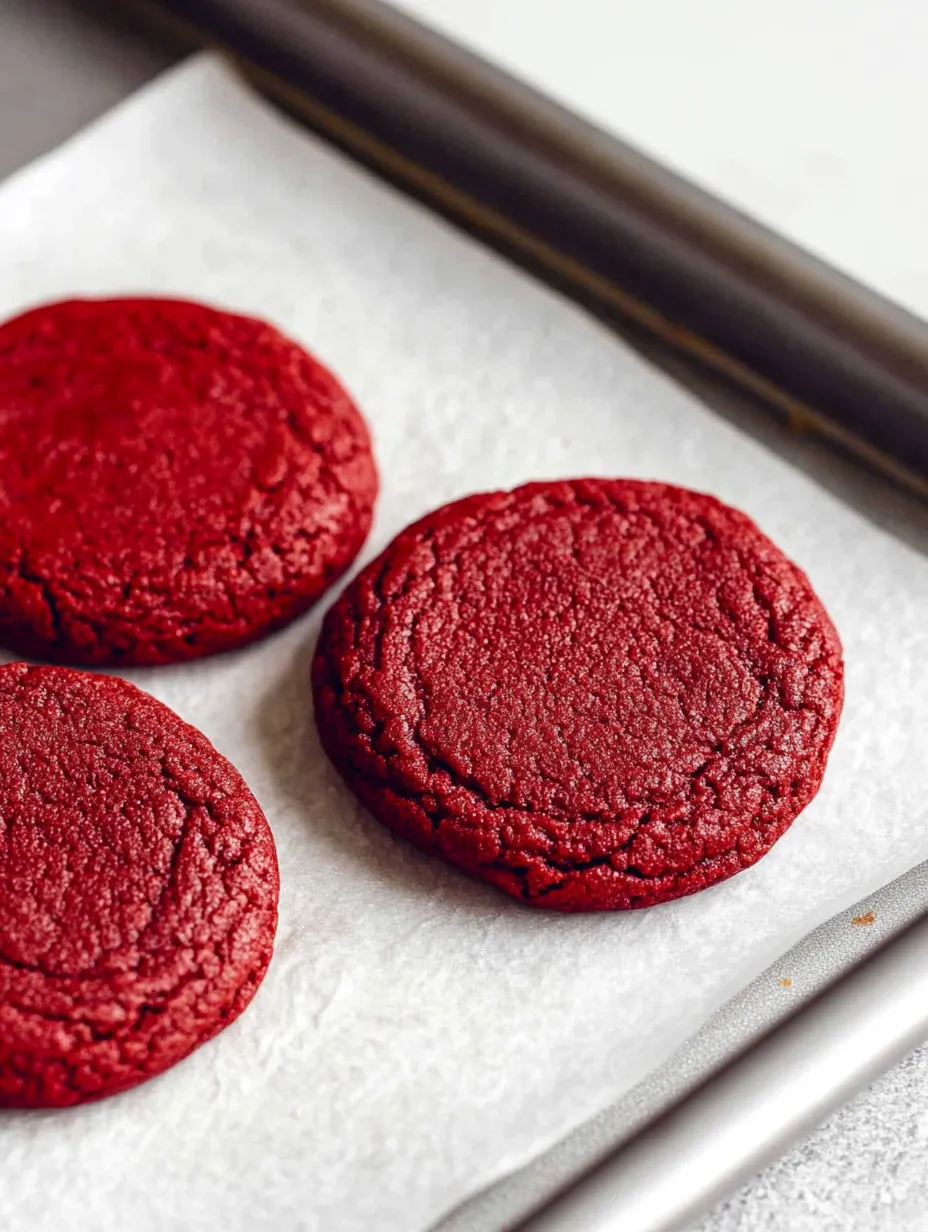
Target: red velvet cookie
(594,694)
(174,481)
(138,888)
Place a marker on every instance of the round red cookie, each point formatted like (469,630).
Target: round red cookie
(174,481)
(594,694)
(138,888)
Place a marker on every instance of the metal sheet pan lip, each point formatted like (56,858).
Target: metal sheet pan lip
(596,215)
(602,1152)
(685,1162)
(606,160)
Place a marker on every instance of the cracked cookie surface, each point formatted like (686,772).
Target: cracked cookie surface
(594,694)
(138,888)
(174,481)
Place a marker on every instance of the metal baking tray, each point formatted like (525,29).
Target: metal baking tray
(591,213)
(604,223)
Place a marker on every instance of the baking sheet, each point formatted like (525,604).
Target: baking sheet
(417,1035)
(818,961)
(803,113)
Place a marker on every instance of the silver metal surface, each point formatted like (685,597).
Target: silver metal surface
(589,210)
(819,961)
(750,1112)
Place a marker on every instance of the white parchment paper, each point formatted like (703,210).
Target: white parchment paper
(419,1035)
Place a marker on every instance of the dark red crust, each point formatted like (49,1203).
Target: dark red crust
(594,694)
(138,888)
(174,481)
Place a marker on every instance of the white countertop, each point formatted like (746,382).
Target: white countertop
(864,1170)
